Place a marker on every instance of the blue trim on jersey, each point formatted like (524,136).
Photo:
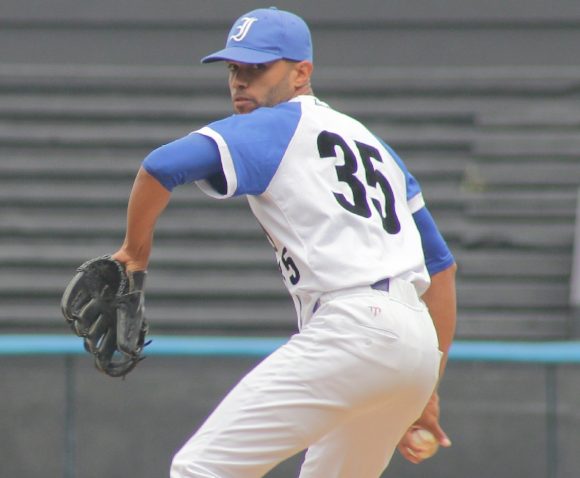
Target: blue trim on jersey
(257,142)
(438,257)
(183,161)
(413,187)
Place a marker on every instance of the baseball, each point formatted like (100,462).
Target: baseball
(425,443)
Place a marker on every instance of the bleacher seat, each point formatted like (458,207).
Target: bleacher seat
(492,140)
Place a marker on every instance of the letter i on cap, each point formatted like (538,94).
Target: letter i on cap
(264,35)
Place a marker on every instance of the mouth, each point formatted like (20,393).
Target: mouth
(243,102)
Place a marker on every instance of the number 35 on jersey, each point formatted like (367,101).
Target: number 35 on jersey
(329,145)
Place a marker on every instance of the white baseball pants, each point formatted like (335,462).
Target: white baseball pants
(346,387)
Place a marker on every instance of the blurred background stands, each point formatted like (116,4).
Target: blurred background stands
(481,100)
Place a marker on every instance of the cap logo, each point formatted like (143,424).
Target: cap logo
(243,28)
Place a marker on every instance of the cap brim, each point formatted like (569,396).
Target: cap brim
(241,55)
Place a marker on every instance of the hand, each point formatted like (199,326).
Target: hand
(131,264)
(428,420)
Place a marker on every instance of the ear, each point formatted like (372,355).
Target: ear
(303,72)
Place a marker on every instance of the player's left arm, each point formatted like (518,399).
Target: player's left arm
(195,157)
(147,201)
(182,161)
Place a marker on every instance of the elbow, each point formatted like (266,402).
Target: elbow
(452,268)
(152,163)
(450,271)
(155,165)
(446,264)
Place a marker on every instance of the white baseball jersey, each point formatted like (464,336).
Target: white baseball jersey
(332,198)
(337,205)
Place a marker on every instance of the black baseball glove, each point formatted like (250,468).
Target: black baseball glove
(104,304)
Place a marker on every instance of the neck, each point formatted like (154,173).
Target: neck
(304,90)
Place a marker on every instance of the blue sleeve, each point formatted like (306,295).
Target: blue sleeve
(438,257)
(257,142)
(184,160)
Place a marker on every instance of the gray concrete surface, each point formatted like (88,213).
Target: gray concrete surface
(494,413)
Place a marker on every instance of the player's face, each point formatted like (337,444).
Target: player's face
(263,84)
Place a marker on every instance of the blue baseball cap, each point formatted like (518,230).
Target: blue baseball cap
(264,35)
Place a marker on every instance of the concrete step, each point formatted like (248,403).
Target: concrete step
(96,191)
(560,174)
(100,224)
(86,108)
(544,265)
(176,284)
(556,234)
(431,81)
(194,255)
(519,203)
(120,134)
(218,13)
(114,194)
(527,144)
(183,285)
(513,294)
(481,111)
(513,324)
(561,114)
(246,301)
(233,315)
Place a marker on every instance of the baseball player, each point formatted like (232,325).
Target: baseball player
(369,273)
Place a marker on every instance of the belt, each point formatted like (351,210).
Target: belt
(381,285)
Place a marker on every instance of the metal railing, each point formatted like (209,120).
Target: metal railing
(549,354)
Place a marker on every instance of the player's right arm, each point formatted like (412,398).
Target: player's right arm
(440,299)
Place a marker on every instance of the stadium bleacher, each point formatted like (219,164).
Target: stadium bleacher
(481,100)
(496,154)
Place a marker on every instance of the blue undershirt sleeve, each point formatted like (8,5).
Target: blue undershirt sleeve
(185,160)
(438,257)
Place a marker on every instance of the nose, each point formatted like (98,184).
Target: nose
(238,79)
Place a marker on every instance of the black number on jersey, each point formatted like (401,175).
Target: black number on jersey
(285,260)
(290,266)
(327,144)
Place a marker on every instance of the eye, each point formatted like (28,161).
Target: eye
(232,68)
(260,66)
